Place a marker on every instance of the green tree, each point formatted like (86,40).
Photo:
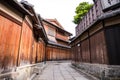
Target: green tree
(81,10)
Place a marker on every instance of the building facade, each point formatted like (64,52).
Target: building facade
(58,40)
(96,46)
(22,40)
(27,40)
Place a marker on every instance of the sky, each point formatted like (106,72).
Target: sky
(62,10)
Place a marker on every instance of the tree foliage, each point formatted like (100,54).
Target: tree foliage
(81,10)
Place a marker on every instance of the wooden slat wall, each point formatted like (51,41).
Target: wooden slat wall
(40,52)
(73,53)
(25,44)
(60,51)
(57,53)
(34,54)
(98,48)
(91,50)
(38,55)
(38,58)
(54,54)
(48,53)
(18,47)
(68,54)
(76,53)
(85,51)
(9,42)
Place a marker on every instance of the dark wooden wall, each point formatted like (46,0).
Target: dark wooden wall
(57,53)
(98,48)
(90,47)
(113,43)
(99,44)
(102,46)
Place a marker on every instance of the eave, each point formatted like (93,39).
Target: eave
(18,6)
(59,45)
(62,40)
(102,17)
(57,27)
(43,30)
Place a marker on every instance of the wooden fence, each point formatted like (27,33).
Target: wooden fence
(18,47)
(57,53)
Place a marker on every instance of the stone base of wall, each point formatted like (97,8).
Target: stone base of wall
(101,71)
(24,72)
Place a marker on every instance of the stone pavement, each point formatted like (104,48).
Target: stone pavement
(60,71)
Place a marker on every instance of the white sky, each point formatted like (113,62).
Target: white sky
(62,10)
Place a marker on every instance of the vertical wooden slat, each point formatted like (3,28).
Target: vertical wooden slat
(85,51)
(55,53)
(25,44)
(98,49)
(34,52)
(9,42)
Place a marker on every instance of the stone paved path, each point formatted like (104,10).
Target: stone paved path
(60,71)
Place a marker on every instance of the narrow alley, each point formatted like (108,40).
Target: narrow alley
(35,47)
(61,71)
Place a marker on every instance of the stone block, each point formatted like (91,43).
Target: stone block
(102,71)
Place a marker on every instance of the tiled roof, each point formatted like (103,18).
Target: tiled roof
(100,18)
(56,26)
(56,44)
(55,22)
